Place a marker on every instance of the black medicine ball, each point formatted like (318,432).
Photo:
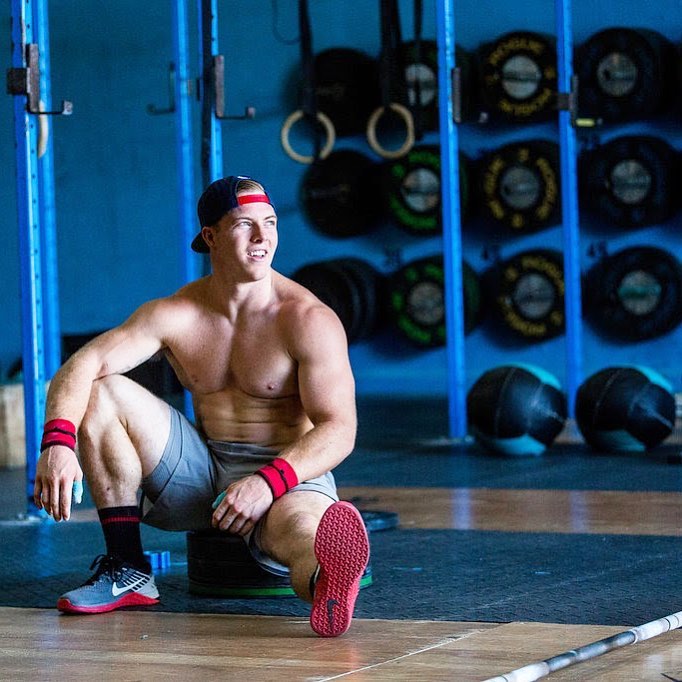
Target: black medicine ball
(516,409)
(625,409)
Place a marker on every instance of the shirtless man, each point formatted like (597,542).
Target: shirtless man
(267,365)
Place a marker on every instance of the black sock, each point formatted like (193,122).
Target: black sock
(313,580)
(121,527)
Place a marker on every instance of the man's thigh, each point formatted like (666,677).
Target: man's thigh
(145,418)
(290,525)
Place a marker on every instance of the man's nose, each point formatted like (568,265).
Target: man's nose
(257,234)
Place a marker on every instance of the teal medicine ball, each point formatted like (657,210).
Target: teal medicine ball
(516,409)
(625,409)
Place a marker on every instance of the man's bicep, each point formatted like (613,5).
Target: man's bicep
(326,382)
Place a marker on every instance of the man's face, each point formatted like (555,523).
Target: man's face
(246,238)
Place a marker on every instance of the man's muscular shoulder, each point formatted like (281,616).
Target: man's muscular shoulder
(171,313)
(305,319)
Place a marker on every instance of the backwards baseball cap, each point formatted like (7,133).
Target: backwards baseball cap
(219,198)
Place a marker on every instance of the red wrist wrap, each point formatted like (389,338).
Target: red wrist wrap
(63,425)
(59,432)
(279,475)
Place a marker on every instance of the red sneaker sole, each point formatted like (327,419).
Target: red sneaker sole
(342,550)
(133,599)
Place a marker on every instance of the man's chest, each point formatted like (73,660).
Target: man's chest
(257,364)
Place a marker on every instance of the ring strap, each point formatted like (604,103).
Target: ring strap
(393,83)
(391,68)
(417,106)
(308,95)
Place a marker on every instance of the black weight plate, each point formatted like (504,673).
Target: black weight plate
(350,292)
(635,294)
(369,285)
(421,76)
(519,185)
(631,181)
(473,308)
(466,66)
(465,200)
(413,191)
(220,564)
(339,194)
(518,77)
(347,88)
(624,74)
(333,286)
(529,294)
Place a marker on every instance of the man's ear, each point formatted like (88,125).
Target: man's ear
(208,233)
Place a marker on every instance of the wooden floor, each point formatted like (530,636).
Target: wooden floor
(43,645)
(529,511)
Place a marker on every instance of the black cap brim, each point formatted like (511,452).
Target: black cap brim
(199,245)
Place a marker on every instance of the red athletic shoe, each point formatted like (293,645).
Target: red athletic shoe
(342,550)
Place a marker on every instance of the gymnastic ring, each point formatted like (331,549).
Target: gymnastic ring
(405,114)
(288,125)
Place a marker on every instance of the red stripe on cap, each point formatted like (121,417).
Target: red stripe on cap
(252,199)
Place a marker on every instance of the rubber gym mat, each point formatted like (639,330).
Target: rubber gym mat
(418,575)
(563,467)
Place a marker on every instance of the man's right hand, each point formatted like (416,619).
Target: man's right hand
(56,472)
(245,501)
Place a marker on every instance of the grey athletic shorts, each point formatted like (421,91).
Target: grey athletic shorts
(192,471)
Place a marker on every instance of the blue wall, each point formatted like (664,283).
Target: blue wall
(115,164)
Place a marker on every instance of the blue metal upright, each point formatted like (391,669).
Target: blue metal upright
(184,153)
(569,201)
(50,281)
(30,248)
(184,147)
(211,138)
(452,236)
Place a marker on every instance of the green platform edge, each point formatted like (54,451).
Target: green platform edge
(253,592)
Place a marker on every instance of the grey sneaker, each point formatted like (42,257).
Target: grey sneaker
(113,585)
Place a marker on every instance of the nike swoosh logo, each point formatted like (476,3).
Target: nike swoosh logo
(331,603)
(116,590)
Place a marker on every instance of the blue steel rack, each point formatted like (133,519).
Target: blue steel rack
(452,240)
(452,234)
(30,246)
(48,228)
(184,152)
(211,138)
(35,189)
(41,338)
(569,203)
